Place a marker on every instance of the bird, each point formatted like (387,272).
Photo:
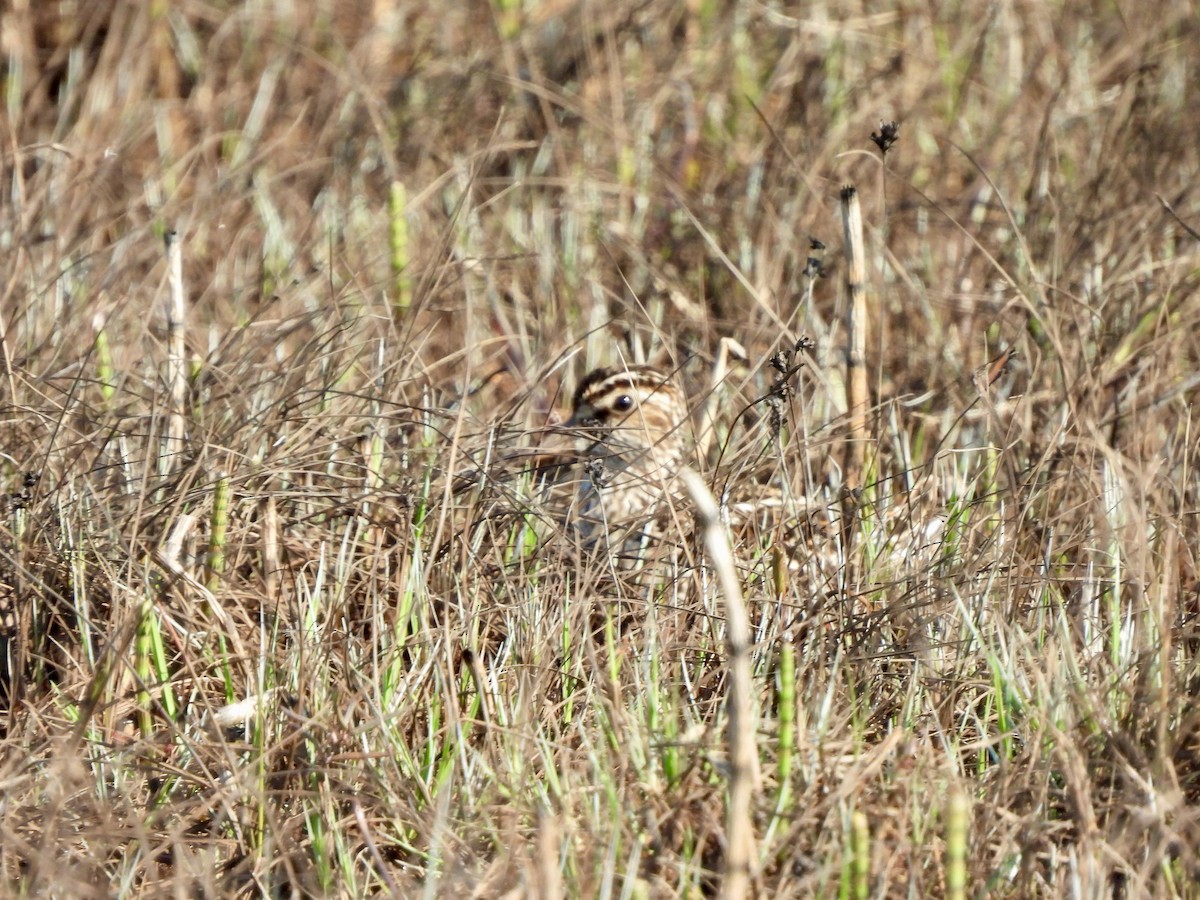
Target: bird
(608,478)
(632,430)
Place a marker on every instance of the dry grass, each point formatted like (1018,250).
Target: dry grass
(332,641)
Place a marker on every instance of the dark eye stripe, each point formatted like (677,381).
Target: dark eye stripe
(596,387)
(618,399)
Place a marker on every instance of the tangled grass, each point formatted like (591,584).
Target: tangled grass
(285,612)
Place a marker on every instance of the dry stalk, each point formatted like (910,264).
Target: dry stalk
(743,763)
(271,565)
(549,873)
(727,349)
(176,348)
(856,350)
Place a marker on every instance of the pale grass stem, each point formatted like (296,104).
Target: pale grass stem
(372,450)
(549,876)
(856,350)
(743,760)
(269,548)
(958,811)
(176,316)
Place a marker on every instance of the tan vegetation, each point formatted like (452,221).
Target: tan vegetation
(284,610)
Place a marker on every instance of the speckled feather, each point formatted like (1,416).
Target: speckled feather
(632,435)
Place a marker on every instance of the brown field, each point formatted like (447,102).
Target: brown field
(283,610)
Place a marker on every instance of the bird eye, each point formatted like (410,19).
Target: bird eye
(624,403)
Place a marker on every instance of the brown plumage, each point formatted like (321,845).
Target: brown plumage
(632,434)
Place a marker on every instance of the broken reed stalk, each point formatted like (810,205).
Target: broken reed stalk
(743,764)
(269,548)
(176,348)
(958,824)
(856,350)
